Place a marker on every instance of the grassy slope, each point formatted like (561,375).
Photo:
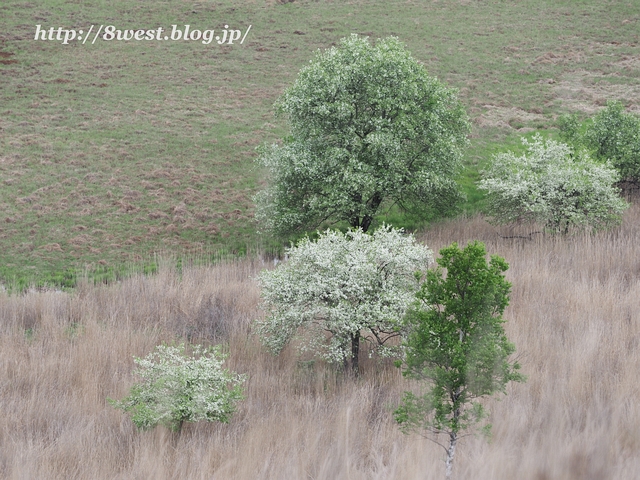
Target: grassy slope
(573,317)
(113,151)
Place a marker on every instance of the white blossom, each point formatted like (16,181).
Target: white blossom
(554,186)
(339,285)
(177,388)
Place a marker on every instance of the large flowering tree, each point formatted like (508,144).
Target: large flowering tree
(369,128)
(552,185)
(342,288)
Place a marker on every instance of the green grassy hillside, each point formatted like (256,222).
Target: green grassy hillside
(112,151)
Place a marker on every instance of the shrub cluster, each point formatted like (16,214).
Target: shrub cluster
(553,185)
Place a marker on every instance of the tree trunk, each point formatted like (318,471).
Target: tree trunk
(373,205)
(453,434)
(366,223)
(453,439)
(355,352)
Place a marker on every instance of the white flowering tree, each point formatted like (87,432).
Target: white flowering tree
(178,388)
(369,128)
(340,289)
(554,186)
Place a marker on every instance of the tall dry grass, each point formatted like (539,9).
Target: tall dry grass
(574,317)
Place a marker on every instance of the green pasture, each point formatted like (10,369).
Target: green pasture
(115,152)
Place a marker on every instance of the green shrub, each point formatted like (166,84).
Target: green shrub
(611,135)
(615,135)
(177,388)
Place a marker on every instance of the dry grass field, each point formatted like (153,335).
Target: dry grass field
(574,317)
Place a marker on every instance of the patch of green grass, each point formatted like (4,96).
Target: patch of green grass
(74,330)
(29,334)
(115,151)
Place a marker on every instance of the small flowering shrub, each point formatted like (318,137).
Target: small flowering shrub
(350,285)
(552,185)
(177,388)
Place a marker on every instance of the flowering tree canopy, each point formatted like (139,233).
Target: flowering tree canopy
(342,284)
(369,128)
(552,185)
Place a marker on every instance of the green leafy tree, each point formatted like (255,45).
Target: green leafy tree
(571,130)
(457,345)
(177,388)
(611,135)
(552,185)
(614,135)
(369,128)
(340,289)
